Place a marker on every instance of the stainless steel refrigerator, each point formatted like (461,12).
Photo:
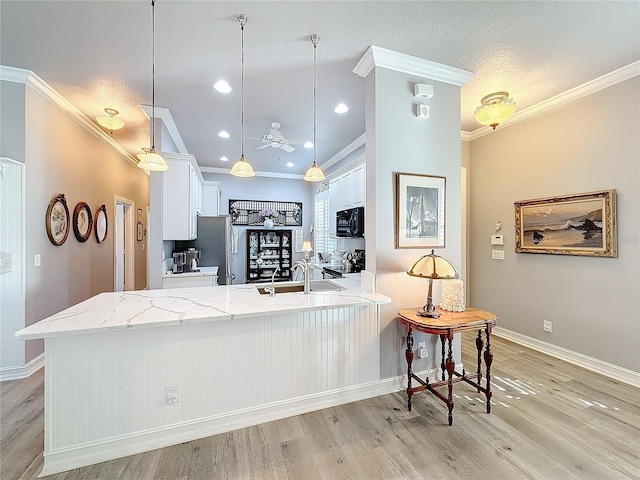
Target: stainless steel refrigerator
(214,242)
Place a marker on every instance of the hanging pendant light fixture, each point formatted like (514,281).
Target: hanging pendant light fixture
(494,109)
(314,174)
(150,160)
(242,168)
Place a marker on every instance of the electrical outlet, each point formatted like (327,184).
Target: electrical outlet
(422,350)
(173,394)
(546,326)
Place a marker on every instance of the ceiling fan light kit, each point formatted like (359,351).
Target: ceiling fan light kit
(150,160)
(109,121)
(314,174)
(242,168)
(494,109)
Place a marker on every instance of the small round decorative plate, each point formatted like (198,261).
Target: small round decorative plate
(57,220)
(82,222)
(101,226)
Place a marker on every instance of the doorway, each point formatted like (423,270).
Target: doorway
(124,246)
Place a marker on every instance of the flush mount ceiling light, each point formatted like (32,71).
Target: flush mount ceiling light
(495,108)
(242,168)
(223,134)
(314,174)
(109,121)
(150,160)
(222,86)
(341,108)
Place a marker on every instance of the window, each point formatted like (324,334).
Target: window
(323,241)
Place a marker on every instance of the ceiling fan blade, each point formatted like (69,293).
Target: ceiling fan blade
(296,141)
(263,146)
(253,138)
(287,148)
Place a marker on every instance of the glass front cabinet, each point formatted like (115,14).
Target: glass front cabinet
(266,251)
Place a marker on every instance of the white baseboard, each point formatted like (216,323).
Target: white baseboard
(22,371)
(117,447)
(608,369)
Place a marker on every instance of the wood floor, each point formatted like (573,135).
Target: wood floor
(551,420)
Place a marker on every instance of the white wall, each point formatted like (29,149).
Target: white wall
(587,145)
(263,188)
(397,141)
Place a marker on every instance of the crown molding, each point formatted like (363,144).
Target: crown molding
(401,62)
(33,81)
(352,147)
(226,171)
(165,115)
(605,81)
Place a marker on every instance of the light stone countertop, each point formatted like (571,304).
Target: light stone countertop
(149,308)
(204,271)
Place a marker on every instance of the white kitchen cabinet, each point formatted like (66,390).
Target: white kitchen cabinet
(181,197)
(210,198)
(346,191)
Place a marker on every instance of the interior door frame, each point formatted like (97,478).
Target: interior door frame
(129,242)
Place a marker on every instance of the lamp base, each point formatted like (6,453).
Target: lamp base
(424,313)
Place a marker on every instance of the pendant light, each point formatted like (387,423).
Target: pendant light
(242,168)
(314,174)
(150,160)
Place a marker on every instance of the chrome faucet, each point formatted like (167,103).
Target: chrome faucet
(272,288)
(304,267)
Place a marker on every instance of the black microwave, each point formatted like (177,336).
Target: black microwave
(350,222)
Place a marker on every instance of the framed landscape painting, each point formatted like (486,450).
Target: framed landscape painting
(420,211)
(581,224)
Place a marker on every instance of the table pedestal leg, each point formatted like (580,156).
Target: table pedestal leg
(479,345)
(450,365)
(442,369)
(409,355)
(488,360)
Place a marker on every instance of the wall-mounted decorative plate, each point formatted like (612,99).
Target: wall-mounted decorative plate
(82,222)
(57,220)
(101,225)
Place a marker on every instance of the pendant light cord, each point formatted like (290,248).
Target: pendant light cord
(242,89)
(153,76)
(315,115)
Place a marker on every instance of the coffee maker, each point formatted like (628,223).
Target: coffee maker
(179,259)
(192,257)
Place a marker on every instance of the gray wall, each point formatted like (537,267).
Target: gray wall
(397,141)
(63,157)
(263,188)
(587,145)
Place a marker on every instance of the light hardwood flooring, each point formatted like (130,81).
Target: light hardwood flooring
(551,420)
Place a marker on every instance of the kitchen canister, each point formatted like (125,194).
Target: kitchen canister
(452,298)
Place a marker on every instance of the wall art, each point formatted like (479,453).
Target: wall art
(420,211)
(101,224)
(246,212)
(82,222)
(579,224)
(57,220)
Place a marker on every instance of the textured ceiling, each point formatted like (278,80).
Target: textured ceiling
(98,54)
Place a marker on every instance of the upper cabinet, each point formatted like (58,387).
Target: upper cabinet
(210,199)
(181,197)
(346,191)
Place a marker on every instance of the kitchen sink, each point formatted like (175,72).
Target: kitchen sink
(316,286)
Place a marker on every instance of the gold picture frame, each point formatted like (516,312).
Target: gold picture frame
(578,224)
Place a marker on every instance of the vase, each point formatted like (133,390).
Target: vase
(268,223)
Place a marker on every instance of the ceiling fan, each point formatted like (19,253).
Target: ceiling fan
(275,139)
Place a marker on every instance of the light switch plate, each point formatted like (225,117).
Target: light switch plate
(497,239)
(497,254)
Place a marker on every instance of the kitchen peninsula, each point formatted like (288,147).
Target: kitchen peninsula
(128,372)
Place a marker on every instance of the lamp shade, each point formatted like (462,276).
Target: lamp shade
(433,266)
(306,247)
(242,168)
(109,121)
(495,108)
(314,174)
(152,161)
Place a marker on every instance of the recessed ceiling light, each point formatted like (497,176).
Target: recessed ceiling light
(224,159)
(289,164)
(308,144)
(341,108)
(223,134)
(222,86)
